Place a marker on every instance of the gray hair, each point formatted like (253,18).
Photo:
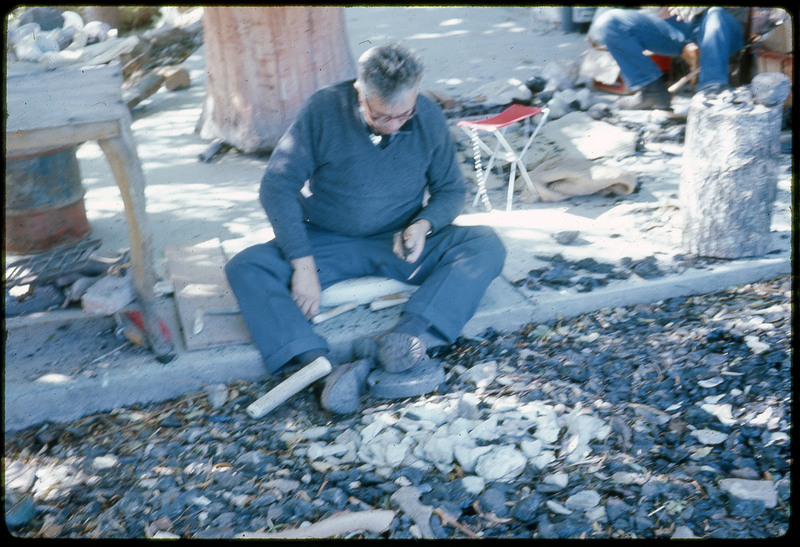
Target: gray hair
(388,71)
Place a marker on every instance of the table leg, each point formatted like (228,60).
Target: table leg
(124,161)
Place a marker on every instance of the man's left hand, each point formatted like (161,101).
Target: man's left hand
(409,244)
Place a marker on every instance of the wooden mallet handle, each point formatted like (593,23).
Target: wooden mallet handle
(295,383)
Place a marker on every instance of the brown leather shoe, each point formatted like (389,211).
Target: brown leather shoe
(652,96)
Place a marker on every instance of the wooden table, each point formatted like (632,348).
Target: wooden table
(49,109)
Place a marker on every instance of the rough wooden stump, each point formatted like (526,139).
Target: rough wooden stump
(728,181)
(263,63)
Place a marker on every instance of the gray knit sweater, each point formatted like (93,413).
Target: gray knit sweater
(357,188)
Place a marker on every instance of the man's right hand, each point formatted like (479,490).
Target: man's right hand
(305,286)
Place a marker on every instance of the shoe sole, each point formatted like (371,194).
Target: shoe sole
(337,396)
(397,352)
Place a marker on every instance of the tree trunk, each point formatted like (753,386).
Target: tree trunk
(729,180)
(263,63)
(104,14)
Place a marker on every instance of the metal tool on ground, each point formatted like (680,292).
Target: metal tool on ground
(295,383)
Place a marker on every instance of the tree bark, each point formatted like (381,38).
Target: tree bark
(729,180)
(104,14)
(263,63)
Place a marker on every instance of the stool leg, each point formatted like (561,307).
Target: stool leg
(480,174)
(121,154)
(510,196)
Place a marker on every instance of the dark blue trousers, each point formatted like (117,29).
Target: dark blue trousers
(456,267)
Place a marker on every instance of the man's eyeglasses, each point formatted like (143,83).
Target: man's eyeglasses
(382,118)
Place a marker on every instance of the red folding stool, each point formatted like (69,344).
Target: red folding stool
(497,125)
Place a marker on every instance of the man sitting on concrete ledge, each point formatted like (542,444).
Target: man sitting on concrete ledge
(345,191)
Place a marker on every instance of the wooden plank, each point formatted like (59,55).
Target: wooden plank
(32,141)
(199,282)
(44,99)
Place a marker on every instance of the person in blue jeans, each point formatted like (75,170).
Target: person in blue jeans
(365,182)
(626,33)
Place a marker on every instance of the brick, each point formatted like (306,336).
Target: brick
(109,295)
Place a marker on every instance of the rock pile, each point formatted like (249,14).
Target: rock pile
(52,38)
(665,420)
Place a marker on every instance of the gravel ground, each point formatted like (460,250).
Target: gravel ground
(664,420)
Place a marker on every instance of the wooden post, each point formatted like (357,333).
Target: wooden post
(263,63)
(728,180)
(124,162)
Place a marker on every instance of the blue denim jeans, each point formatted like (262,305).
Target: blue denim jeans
(455,269)
(627,33)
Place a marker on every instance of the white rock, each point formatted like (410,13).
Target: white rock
(762,418)
(709,436)
(486,430)
(163,534)
(473,485)
(586,426)
(238,500)
(755,345)
(374,452)
(460,431)
(395,453)
(369,432)
(109,295)
(282,485)
(748,489)
(544,459)
(710,382)
(683,532)
(625,477)
(506,404)
(558,479)
(407,424)
(348,437)
(482,375)
(467,456)
(531,449)
(501,464)
(200,500)
(557,508)
(515,428)
(217,394)
(580,452)
(318,451)
(439,449)
(723,412)
(597,513)
(777,437)
(547,431)
(583,500)
(584,97)
(432,412)
(105,462)
(468,406)
(313,433)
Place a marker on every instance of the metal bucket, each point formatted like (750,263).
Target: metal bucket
(44,201)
